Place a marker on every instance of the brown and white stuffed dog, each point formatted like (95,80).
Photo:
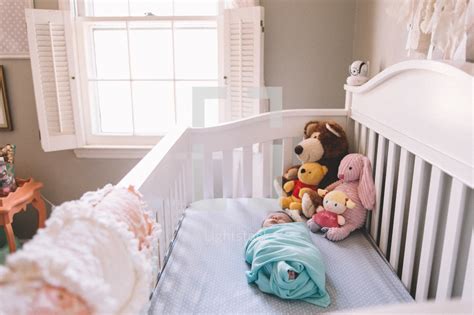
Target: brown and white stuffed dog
(324,142)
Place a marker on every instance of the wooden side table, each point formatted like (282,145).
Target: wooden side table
(28,191)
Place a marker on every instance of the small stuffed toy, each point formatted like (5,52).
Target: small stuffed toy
(324,142)
(355,180)
(329,215)
(309,177)
(7,169)
(359,71)
(7,181)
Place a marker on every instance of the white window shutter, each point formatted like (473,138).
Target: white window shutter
(243,61)
(51,45)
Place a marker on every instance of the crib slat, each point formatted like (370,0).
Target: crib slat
(173,208)
(167,222)
(363,140)
(227,178)
(247,171)
(413,221)
(182,188)
(374,224)
(429,233)
(237,181)
(184,180)
(371,147)
(404,174)
(177,207)
(208,176)
(452,236)
(267,167)
(162,238)
(189,182)
(467,291)
(287,154)
(356,136)
(392,161)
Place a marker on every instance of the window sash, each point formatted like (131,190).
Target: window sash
(84,8)
(86,44)
(153,18)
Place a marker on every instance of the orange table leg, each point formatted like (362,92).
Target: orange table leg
(10,237)
(39,205)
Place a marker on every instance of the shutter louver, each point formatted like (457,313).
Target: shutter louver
(49,37)
(243,56)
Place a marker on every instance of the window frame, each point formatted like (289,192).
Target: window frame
(85,48)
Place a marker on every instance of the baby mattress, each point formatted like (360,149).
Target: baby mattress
(205,272)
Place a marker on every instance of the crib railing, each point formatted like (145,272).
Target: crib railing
(161,178)
(417,226)
(232,160)
(246,155)
(423,221)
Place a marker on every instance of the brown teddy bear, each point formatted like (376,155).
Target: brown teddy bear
(324,142)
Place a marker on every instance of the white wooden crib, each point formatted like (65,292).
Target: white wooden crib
(414,121)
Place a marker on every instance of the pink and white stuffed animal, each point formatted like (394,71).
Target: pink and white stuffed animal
(355,180)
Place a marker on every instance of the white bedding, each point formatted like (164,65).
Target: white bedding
(206,269)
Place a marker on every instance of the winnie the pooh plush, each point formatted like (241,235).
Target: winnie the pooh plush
(329,215)
(309,176)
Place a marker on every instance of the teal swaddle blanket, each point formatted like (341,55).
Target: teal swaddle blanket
(275,250)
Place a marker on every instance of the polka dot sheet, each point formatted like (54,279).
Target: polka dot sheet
(206,269)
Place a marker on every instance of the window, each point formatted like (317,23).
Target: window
(143,59)
(123,72)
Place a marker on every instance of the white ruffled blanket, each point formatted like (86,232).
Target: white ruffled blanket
(88,249)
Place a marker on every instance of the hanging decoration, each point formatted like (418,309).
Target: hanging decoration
(437,29)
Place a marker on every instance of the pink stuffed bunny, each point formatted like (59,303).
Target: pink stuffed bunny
(355,180)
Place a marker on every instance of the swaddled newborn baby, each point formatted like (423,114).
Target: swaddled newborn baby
(277,217)
(285,262)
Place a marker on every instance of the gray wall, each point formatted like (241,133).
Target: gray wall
(308,45)
(308,48)
(378,37)
(381,39)
(65,177)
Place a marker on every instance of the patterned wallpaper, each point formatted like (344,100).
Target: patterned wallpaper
(13,37)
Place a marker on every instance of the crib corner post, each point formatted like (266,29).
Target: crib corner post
(350,125)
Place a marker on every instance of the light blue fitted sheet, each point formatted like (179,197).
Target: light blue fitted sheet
(206,269)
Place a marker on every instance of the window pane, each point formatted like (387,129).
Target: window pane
(195,7)
(196,53)
(111,54)
(184,103)
(109,8)
(151,51)
(155,7)
(115,108)
(153,107)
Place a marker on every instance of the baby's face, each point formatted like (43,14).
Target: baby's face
(276,218)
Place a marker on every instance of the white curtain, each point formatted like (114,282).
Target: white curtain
(235,4)
(436,28)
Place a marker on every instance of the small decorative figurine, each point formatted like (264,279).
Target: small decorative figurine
(7,169)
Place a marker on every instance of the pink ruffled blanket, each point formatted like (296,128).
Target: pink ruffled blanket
(96,255)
